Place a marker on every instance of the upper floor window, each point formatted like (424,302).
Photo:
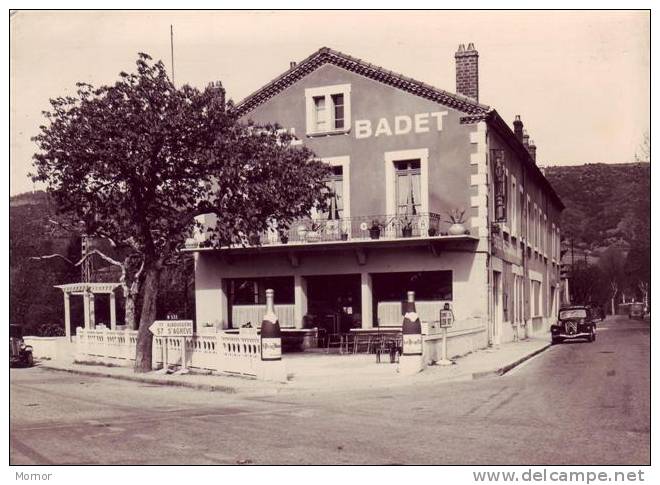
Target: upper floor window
(335,184)
(514,207)
(408,187)
(407,182)
(328,109)
(500,188)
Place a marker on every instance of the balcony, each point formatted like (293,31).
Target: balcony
(318,231)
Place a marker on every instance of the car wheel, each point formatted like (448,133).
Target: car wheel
(555,341)
(29,360)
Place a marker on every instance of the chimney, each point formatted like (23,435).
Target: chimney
(292,64)
(518,128)
(531,148)
(525,139)
(467,71)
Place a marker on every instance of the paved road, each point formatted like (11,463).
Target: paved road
(573,404)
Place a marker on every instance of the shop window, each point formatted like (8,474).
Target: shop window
(427,285)
(252,291)
(328,109)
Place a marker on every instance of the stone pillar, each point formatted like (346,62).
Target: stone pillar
(367,300)
(86,308)
(67,314)
(300,300)
(92,313)
(113,311)
(210,295)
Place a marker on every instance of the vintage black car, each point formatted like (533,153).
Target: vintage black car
(19,353)
(574,322)
(636,311)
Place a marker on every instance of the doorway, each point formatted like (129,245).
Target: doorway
(496,320)
(334,302)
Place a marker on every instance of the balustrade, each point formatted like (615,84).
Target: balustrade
(236,353)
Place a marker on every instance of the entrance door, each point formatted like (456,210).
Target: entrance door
(496,320)
(334,301)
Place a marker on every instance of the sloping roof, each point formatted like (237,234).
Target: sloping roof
(474,111)
(325,55)
(498,124)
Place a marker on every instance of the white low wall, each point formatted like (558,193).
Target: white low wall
(460,341)
(236,353)
(50,347)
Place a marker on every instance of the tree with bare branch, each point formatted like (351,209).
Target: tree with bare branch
(611,263)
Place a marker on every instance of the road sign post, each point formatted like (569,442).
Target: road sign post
(173,329)
(446,321)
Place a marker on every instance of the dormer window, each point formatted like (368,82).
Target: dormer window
(328,109)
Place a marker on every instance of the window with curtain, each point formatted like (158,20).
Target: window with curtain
(408,187)
(335,184)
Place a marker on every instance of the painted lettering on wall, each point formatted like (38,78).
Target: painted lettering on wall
(400,125)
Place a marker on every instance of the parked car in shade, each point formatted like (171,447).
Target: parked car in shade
(19,353)
(574,322)
(636,311)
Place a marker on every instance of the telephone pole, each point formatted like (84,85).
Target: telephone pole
(172,49)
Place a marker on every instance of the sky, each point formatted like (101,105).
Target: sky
(580,79)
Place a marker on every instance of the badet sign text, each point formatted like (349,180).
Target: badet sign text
(400,125)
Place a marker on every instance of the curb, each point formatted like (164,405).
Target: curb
(503,370)
(145,380)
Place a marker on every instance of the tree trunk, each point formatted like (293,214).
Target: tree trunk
(147,317)
(130,310)
(613,313)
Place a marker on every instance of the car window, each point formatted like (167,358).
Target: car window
(574,313)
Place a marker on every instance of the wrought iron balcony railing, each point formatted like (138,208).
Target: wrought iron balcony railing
(388,227)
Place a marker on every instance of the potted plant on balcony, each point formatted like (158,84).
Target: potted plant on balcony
(406,224)
(457,221)
(375,228)
(313,231)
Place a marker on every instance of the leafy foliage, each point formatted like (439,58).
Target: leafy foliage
(589,285)
(137,161)
(608,210)
(33,298)
(606,204)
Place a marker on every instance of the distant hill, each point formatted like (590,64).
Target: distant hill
(35,301)
(606,204)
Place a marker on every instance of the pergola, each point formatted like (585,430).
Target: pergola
(88,290)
